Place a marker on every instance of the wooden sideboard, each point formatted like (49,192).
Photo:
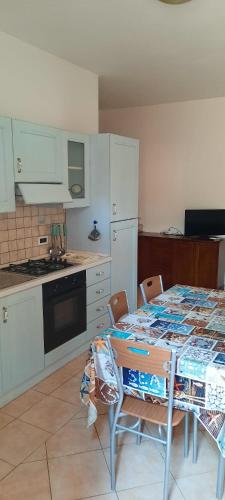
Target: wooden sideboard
(181,259)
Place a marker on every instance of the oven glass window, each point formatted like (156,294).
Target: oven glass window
(65,314)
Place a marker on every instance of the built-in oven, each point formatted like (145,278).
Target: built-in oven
(64,309)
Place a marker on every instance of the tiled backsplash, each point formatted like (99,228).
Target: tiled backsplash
(19,231)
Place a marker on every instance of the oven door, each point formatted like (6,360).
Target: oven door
(64,317)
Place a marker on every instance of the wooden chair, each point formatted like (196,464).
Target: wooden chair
(151,287)
(155,361)
(221,461)
(118,306)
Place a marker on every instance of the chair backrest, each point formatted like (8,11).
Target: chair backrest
(141,357)
(144,358)
(151,287)
(118,306)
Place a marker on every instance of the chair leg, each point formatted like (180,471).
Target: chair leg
(220,478)
(195,440)
(167,464)
(112,457)
(138,438)
(111,416)
(186,434)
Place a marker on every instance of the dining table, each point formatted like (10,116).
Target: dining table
(187,319)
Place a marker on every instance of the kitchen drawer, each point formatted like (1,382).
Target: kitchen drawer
(98,326)
(98,291)
(98,273)
(97,309)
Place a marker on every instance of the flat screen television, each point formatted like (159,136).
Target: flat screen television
(204,223)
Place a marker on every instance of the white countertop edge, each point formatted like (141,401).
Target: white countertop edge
(54,276)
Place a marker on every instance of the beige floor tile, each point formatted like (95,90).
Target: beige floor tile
(51,383)
(150,492)
(145,460)
(70,392)
(37,455)
(74,437)
(77,364)
(26,482)
(199,486)
(110,496)
(23,403)
(207,457)
(5,419)
(102,428)
(5,468)
(18,440)
(79,476)
(50,414)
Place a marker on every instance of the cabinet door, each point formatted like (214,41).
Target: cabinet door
(155,256)
(124,177)
(124,259)
(207,258)
(7,193)
(22,345)
(184,259)
(37,153)
(76,159)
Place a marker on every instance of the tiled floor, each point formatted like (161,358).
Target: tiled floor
(47,452)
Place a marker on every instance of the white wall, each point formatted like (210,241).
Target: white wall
(182,157)
(37,86)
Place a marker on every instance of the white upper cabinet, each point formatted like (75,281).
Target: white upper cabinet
(124,157)
(7,194)
(76,164)
(37,153)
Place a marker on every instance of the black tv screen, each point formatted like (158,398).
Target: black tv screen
(204,222)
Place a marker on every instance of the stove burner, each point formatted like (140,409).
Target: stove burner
(38,267)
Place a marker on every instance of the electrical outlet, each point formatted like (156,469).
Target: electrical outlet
(43,240)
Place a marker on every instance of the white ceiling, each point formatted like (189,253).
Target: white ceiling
(145,51)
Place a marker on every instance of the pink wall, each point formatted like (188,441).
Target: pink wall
(182,157)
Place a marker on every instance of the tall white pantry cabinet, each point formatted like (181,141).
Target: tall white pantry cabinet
(114,204)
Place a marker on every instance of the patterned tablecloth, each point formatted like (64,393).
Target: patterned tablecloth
(190,320)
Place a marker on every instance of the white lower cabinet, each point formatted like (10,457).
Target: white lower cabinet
(21,337)
(98,295)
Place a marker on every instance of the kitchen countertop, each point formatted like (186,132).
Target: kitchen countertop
(12,282)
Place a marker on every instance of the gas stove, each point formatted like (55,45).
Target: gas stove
(38,267)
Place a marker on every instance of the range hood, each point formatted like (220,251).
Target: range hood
(43,193)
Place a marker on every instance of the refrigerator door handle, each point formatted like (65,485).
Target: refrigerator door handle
(115,233)
(114,207)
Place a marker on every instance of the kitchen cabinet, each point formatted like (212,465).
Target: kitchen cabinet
(37,153)
(124,236)
(179,259)
(123,177)
(114,199)
(98,295)
(7,194)
(21,337)
(76,164)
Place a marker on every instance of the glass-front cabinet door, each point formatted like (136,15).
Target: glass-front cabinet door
(77,169)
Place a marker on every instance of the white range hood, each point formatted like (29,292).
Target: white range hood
(43,193)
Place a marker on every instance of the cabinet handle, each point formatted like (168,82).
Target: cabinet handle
(101,325)
(5,314)
(115,235)
(100,309)
(100,273)
(19,165)
(101,290)
(114,207)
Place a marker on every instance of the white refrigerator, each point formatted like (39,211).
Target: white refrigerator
(114,204)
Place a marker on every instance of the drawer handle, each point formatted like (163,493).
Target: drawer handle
(5,314)
(19,165)
(114,209)
(101,290)
(101,325)
(100,309)
(100,273)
